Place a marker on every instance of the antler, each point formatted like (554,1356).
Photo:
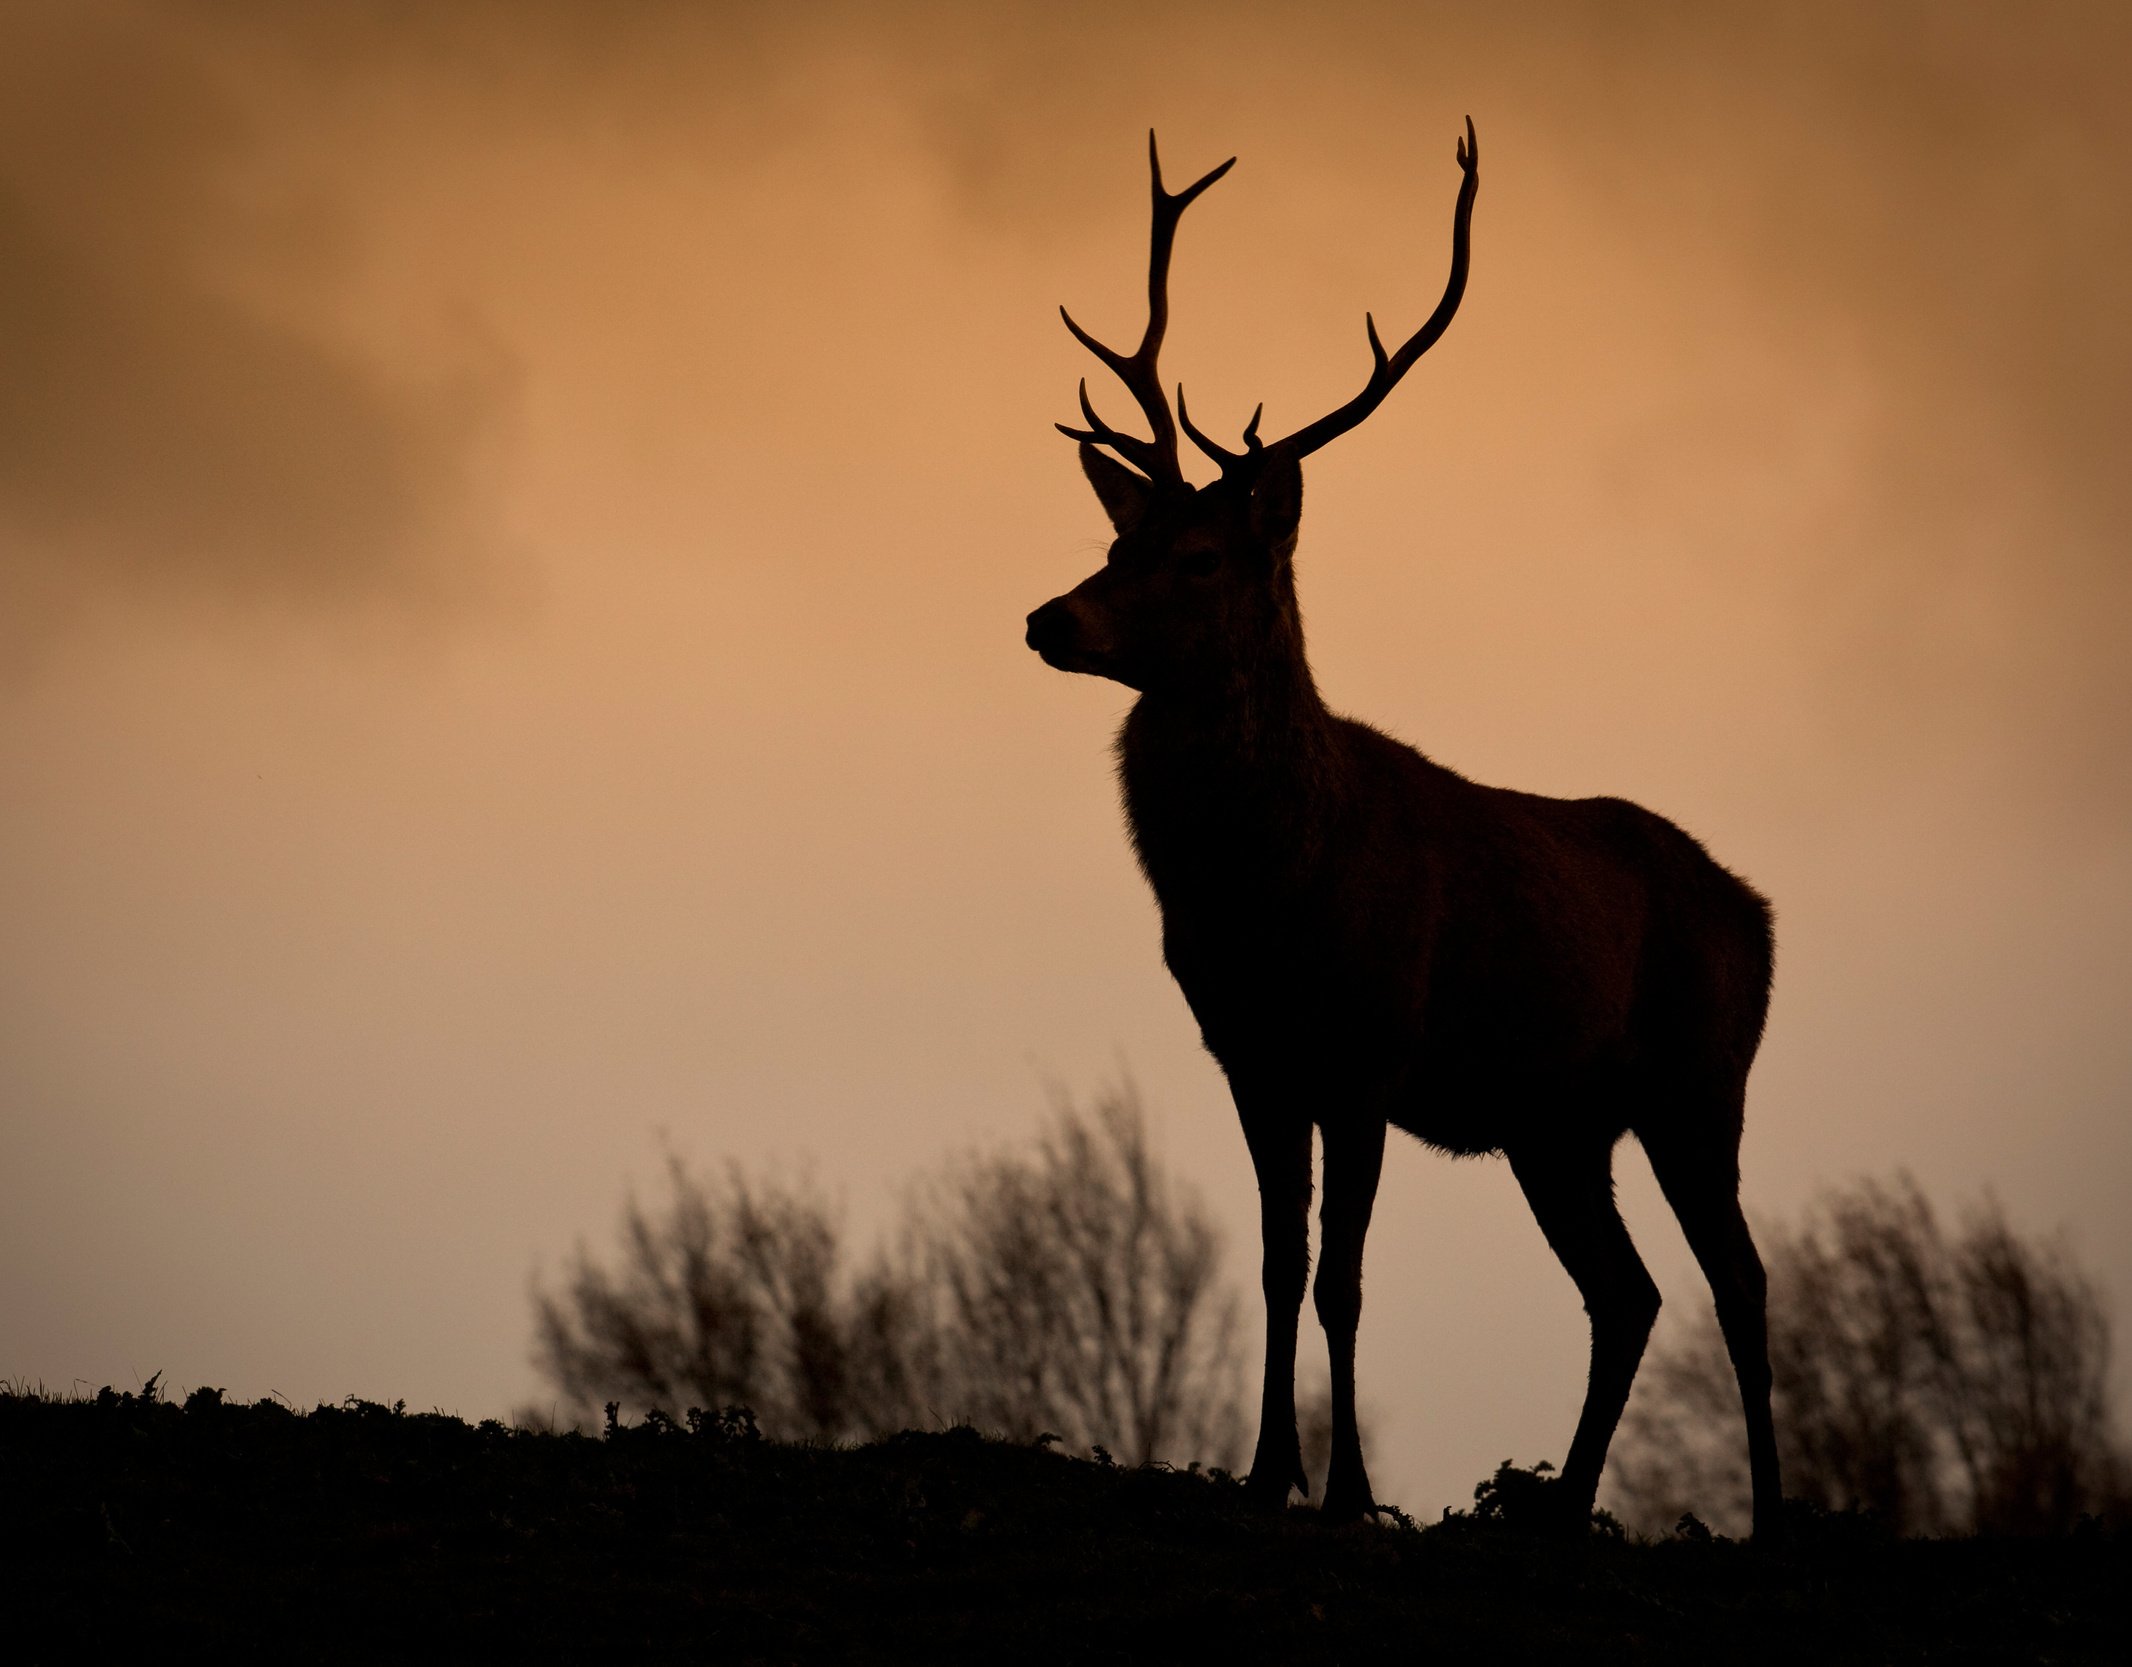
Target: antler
(1156,458)
(1388,368)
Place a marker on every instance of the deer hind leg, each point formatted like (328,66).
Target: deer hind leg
(1701,1181)
(1354,1158)
(1572,1195)
(1280,1152)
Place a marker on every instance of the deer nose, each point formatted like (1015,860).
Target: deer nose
(1050,627)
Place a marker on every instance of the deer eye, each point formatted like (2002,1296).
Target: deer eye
(1200,562)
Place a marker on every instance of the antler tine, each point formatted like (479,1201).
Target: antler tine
(1232,462)
(1144,455)
(1157,458)
(1387,369)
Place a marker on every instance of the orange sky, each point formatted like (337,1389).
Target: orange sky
(515,522)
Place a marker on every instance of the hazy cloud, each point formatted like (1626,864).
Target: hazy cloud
(164,426)
(1932,200)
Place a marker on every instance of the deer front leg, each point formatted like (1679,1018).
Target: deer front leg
(1280,1152)
(1354,1158)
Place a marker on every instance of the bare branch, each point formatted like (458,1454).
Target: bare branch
(1945,1384)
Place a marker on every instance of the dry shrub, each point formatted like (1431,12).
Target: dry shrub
(1945,1384)
(1073,1289)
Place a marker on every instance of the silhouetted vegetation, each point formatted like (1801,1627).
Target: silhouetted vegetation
(1073,1289)
(136,1527)
(1941,1383)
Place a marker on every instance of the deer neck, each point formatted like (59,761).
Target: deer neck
(1266,717)
(1236,773)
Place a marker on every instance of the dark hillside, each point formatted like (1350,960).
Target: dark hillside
(362,1532)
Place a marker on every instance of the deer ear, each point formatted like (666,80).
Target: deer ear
(1277,504)
(1125,495)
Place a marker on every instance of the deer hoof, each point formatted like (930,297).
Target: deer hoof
(1343,1505)
(1266,1488)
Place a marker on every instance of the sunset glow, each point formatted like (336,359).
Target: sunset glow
(516,521)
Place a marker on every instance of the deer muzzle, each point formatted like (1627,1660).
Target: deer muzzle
(1061,633)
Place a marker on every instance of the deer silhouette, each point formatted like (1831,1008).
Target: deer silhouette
(1367,938)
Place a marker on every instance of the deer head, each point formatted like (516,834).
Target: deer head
(1198,584)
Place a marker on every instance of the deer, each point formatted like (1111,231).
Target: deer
(1368,939)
